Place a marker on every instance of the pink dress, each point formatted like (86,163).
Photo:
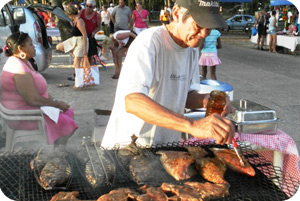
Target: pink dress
(11,99)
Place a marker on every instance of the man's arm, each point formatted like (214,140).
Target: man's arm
(98,27)
(214,126)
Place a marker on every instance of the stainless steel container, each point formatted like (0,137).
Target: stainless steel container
(251,117)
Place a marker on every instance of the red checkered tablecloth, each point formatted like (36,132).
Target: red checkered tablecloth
(280,141)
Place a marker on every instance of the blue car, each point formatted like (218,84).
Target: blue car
(240,22)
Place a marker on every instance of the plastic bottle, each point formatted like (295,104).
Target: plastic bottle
(216,102)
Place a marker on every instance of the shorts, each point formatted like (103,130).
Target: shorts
(75,45)
(262,31)
(272,32)
(139,30)
(209,59)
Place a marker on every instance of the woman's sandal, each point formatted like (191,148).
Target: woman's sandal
(63,85)
(115,76)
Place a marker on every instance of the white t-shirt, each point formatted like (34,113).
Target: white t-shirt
(159,68)
(124,41)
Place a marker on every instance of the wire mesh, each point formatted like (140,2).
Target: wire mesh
(17,181)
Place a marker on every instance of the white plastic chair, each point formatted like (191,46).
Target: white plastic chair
(14,136)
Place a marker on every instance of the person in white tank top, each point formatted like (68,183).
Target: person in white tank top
(105,16)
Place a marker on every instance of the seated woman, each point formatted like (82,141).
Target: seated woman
(121,40)
(23,88)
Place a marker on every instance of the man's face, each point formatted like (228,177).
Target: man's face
(89,7)
(190,33)
(121,3)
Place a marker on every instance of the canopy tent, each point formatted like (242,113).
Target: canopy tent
(235,1)
(280,3)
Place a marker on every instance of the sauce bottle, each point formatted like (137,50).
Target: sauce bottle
(216,102)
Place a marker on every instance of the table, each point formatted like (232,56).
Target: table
(286,41)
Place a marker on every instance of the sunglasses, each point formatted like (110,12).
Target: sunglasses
(89,6)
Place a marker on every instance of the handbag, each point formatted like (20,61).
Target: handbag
(87,75)
(254,31)
(142,17)
(92,46)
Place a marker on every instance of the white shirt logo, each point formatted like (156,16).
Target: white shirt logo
(208,3)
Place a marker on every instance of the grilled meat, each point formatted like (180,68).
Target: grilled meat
(121,194)
(211,169)
(66,196)
(232,161)
(125,154)
(209,190)
(56,172)
(152,194)
(183,193)
(99,171)
(196,152)
(147,169)
(195,191)
(176,163)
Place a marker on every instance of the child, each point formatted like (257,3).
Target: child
(209,53)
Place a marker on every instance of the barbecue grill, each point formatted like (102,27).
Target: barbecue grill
(17,181)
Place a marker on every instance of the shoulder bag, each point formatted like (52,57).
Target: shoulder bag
(142,17)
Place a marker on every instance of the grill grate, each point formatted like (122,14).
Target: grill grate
(17,181)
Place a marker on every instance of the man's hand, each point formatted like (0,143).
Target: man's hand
(215,127)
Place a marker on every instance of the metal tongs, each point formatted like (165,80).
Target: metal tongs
(235,145)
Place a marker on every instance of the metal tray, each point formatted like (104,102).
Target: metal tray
(251,117)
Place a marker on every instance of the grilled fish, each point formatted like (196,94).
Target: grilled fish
(195,191)
(121,194)
(182,192)
(99,171)
(152,194)
(196,152)
(126,153)
(211,169)
(147,169)
(66,196)
(232,161)
(56,172)
(176,163)
(210,191)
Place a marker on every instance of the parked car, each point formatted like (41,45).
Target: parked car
(240,22)
(27,19)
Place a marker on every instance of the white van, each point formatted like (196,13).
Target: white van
(27,20)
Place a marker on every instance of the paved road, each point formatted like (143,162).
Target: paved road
(269,79)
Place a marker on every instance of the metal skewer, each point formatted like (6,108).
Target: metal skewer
(235,145)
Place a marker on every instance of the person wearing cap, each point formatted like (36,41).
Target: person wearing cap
(121,17)
(160,78)
(92,21)
(91,18)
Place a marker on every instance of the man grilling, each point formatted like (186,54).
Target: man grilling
(159,78)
